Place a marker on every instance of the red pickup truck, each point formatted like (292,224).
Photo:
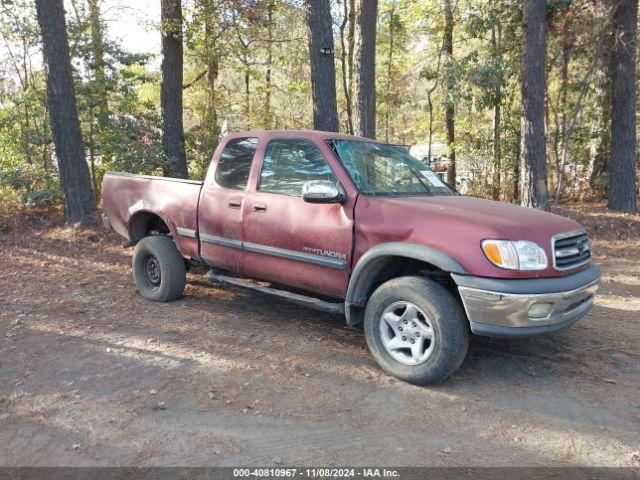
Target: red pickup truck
(350,225)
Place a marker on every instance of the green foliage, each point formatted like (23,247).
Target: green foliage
(231,46)
(121,126)
(33,185)
(119,119)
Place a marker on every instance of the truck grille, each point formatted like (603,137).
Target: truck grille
(570,250)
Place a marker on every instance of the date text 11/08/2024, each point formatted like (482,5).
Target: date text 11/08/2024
(316,472)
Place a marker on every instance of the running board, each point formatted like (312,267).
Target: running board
(316,303)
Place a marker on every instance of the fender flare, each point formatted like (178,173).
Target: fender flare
(373,260)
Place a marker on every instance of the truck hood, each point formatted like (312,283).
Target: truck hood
(501,220)
(457,224)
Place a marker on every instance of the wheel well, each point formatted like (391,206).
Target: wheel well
(144,224)
(383,269)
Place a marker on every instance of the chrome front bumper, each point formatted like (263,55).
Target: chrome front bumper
(506,313)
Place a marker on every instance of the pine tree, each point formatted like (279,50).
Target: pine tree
(535,192)
(622,171)
(365,70)
(171,89)
(78,200)
(323,69)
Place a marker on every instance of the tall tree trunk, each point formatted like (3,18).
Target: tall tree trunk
(171,89)
(346,66)
(365,69)
(430,91)
(496,40)
(568,128)
(516,167)
(562,106)
(65,126)
(388,102)
(449,111)
(535,192)
(211,128)
(247,91)
(497,152)
(92,156)
(268,116)
(622,171)
(430,126)
(22,71)
(601,127)
(351,46)
(213,63)
(553,138)
(323,69)
(97,48)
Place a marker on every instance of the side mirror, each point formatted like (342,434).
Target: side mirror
(322,191)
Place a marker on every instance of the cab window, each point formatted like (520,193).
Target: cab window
(235,163)
(289,163)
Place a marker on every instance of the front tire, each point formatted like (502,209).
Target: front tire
(158,269)
(416,330)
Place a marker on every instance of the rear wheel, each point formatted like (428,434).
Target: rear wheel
(416,330)
(158,269)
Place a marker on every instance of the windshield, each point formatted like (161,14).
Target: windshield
(380,169)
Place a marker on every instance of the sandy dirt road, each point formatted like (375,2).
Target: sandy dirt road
(92,374)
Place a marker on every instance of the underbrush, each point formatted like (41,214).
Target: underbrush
(31,184)
(15,214)
(600,222)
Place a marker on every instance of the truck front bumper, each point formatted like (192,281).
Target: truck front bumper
(524,307)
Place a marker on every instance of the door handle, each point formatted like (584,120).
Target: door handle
(235,204)
(259,207)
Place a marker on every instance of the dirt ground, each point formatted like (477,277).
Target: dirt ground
(93,374)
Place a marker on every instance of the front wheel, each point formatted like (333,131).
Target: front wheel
(158,269)
(416,330)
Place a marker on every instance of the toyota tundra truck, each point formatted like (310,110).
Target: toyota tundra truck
(357,227)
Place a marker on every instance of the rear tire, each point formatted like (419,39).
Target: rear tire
(416,330)
(158,269)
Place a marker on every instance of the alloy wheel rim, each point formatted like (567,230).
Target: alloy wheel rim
(407,333)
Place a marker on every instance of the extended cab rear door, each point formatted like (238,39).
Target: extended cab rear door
(220,209)
(287,240)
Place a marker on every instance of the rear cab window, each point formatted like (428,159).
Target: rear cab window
(235,162)
(289,163)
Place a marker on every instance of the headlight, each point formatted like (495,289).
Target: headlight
(515,254)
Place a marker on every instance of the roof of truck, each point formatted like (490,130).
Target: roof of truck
(298,133)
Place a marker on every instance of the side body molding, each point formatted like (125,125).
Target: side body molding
(375,259)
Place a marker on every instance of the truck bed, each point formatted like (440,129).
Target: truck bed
(130,199)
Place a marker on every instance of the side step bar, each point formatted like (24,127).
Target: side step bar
(316,303)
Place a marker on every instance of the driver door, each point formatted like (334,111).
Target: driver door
(286,239)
